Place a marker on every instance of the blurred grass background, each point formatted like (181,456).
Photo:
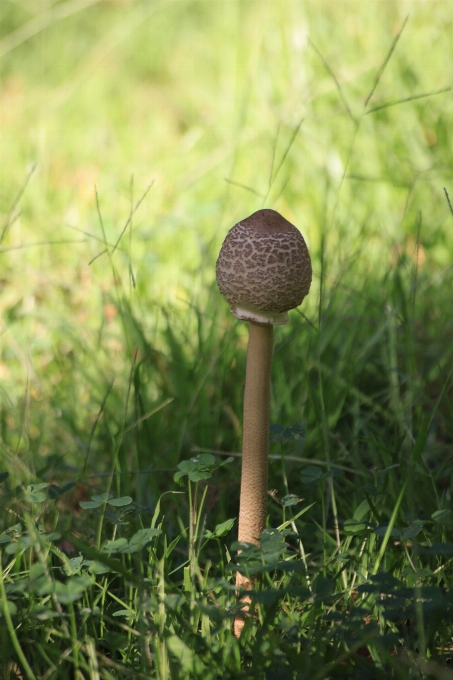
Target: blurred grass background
(337,114)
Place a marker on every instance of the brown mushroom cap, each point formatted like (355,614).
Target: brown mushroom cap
(264,268)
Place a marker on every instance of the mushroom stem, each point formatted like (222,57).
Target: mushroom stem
(255,444)
(255,439)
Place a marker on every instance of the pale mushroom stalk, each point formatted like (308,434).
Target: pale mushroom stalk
(263,270)
(255,441)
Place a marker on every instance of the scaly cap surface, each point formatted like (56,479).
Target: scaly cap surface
(264,268)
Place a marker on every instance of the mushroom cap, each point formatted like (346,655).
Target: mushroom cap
(264,268)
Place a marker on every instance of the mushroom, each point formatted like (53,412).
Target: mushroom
(263,270)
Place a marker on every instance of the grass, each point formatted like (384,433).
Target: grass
(133,135)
